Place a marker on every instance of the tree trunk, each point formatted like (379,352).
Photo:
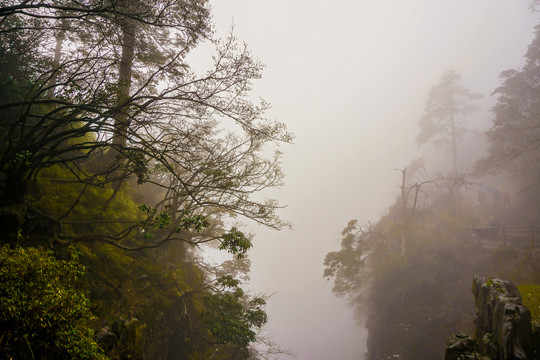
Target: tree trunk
(454,147)
(121,120)
(60,36)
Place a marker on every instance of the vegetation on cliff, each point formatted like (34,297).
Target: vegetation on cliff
(43,310)
(408,274)
(120,160)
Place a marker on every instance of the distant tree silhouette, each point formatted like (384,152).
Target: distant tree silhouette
(514,138)
(447,104)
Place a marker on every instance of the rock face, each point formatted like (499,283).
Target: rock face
(502,325)
(122,339)
(460,346)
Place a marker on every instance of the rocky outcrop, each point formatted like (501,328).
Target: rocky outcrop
(459,347)
(122,339)
(502,325)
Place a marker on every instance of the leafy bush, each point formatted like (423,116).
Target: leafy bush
(43,314)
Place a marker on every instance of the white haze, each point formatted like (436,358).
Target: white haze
(350,80)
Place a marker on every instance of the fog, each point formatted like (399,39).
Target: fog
(350,79)
(135,151)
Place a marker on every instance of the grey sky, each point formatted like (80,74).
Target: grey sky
(350,79)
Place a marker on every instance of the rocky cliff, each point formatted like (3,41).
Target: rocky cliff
(502,326)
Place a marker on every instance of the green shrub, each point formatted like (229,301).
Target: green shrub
(43,314)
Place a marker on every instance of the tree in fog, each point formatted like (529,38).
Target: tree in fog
(448,103)
(108,141)
(85,92)
(408,273)
(514,138)
(346,266)
(125,105)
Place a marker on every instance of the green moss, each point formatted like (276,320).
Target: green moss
(531,299)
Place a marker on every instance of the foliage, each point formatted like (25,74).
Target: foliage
(235,242)
(118,148)
(161,289)
(229,318)
(122,108)
(346,265)
(43,312)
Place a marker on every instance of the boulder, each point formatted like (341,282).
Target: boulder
(459,346)
(502,328)
(106,338)
(502,325)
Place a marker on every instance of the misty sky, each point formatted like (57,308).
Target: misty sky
(350,79)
